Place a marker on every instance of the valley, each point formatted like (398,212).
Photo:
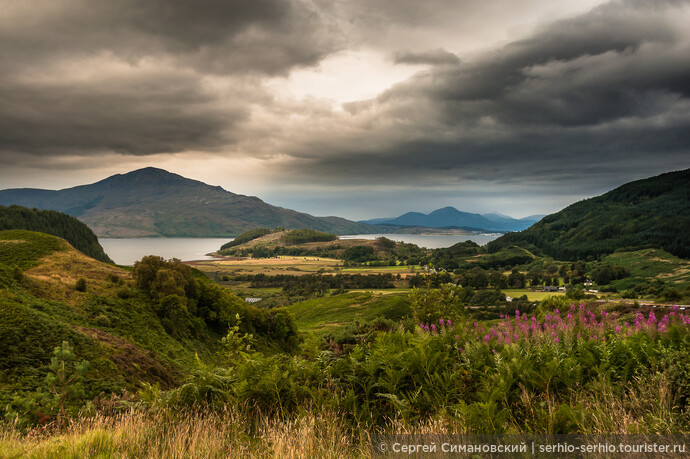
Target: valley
(287,326)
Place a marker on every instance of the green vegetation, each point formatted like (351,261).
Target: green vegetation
(330,367)
(249,236)
(309,243)
(654,212)
(55,223)
(332,312)
(24,248)
(303,236)
(148,326)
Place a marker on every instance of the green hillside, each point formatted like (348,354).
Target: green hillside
(154,202)
(648,265)
(55,223)
(148,325)
(654,212)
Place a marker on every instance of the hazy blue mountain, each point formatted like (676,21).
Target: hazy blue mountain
(154,202)
(451,217)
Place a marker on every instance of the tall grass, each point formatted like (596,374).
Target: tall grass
(579,371)
(191,434)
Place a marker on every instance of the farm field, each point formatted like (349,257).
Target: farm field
(294,265)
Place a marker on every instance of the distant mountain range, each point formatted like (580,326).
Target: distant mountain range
(451,217)
(653,212)
(154,202)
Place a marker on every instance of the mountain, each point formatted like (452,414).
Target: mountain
(154,202)
(56,224)
(452,217)
(653,212)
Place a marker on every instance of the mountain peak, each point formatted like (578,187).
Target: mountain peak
(151,176)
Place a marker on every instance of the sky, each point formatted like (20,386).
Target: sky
(355,108)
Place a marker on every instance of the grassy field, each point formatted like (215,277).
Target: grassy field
(332,312)
(531,295)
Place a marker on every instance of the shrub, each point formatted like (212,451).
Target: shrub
(80,286)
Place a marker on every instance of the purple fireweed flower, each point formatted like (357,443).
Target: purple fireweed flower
(652,318)
(517,313)
(557,311)
(487,337)
(433,328)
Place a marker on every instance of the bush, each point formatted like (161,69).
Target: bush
(80,286)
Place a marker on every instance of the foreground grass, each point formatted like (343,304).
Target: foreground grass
(168,434)
(646,407)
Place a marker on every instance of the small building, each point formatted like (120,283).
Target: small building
(509,299)
(252,300)
(549,288)
(588,283)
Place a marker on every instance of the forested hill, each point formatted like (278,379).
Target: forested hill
(155,202)
(649,212)
(55,223)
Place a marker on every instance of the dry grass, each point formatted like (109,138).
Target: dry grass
(54,278)
(644,407)
(202,435)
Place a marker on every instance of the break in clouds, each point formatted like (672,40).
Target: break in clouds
(592,99)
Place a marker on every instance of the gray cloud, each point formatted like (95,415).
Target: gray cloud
(574,105)
(432,57)
(139,78)
(218,36)
(605,91)
(134,114)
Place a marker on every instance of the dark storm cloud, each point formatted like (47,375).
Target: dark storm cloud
(219,36)
(139,114)
(607,90)
(432,57)
(143,77)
